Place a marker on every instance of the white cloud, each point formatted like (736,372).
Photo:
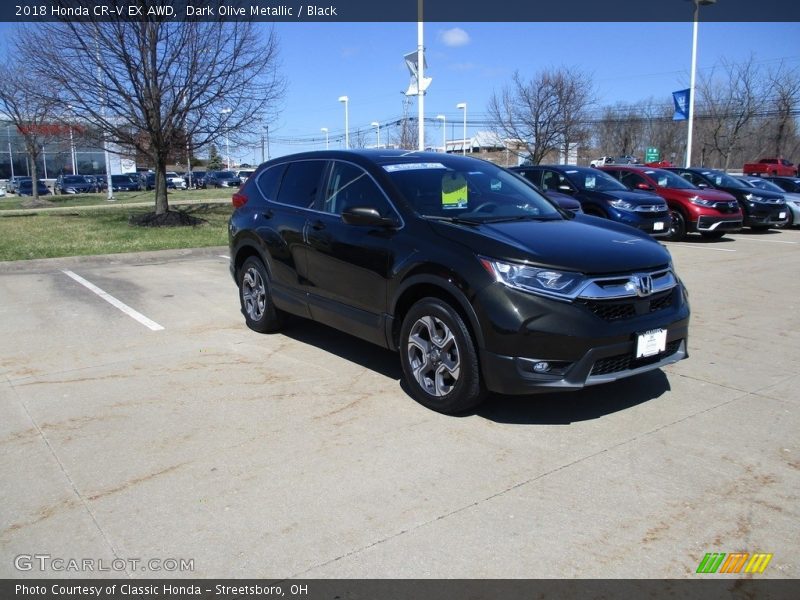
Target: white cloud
(454,37)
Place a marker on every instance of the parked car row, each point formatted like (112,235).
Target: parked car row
(700,200)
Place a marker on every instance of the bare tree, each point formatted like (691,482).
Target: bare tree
(25,103)
(729,99)
(156,85)
(546,114)
(784,101)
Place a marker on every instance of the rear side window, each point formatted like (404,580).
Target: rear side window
(301,183)
(267,183)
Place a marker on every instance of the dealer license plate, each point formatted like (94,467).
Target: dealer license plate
(658,226)
(782,215)
(652,342)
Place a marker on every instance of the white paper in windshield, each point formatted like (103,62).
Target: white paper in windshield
(412,166)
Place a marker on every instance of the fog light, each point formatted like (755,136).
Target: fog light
(541,367)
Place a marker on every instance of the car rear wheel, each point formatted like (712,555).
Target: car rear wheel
(257,306)
(439,359)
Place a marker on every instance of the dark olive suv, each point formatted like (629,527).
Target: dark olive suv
(479,282)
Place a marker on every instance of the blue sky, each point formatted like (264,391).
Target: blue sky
(468,61)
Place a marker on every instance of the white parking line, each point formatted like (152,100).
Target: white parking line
(744,239)
(152,325)
(701,247)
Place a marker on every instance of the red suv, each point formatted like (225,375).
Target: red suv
(712,213)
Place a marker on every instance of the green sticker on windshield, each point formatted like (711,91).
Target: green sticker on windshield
(454,191)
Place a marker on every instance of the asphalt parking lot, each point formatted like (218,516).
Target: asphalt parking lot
(185,436)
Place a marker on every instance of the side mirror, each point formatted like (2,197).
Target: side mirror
(702,185)
(644,186)
(566,189)
(360,215)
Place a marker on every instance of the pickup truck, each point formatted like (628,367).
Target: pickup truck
(602,161)
(771,167)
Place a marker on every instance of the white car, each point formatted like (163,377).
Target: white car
(602,161)
(175,181)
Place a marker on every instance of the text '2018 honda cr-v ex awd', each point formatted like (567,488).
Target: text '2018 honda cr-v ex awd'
(476,279)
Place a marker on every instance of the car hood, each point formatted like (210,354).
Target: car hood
(632,196)
(584,243)
(705,193)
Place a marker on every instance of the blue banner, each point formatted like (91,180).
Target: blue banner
(681,100)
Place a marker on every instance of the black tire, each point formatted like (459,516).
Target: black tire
(789,219)
(677,228)
(712,235)
(257,306)
(439,359)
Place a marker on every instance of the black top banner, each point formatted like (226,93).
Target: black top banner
(404,10)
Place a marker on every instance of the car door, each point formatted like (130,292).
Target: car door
(284,220)
(348,265)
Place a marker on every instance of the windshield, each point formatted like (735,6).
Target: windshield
(121,178)
(484,193)
(721,179)
(227,175)
(74,179)
(593,180)
(766,185)
(668,179)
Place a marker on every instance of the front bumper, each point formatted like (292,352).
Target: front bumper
(763,216)
(585,343)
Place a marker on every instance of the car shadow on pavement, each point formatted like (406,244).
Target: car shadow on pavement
(560,408)
(563,408)
(346,346)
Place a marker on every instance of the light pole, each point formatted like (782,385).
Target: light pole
(377,127)
(325,131)
(690,128)
(463,106)
(227,111)
(346,101)
(444,131)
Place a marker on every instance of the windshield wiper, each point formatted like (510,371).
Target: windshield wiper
(520,218)
(460,220)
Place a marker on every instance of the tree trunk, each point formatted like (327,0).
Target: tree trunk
(162,205)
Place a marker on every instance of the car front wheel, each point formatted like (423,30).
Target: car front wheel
(439,359)
(257,306)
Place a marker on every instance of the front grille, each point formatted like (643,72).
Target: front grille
(615,310)
(626,362)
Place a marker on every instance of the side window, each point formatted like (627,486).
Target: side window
(301,183)
(349,186)
(631,180)
(267,182)
(550,180)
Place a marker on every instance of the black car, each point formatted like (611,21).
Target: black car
(125,183)
(195,179)
(787,184)
(219,179)
(74,184)
(477,281)
(562,200)
(761,209)
(25,187)
(603,196)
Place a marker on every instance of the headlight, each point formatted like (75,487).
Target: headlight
(621,204)
(701,201)
(547,282)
